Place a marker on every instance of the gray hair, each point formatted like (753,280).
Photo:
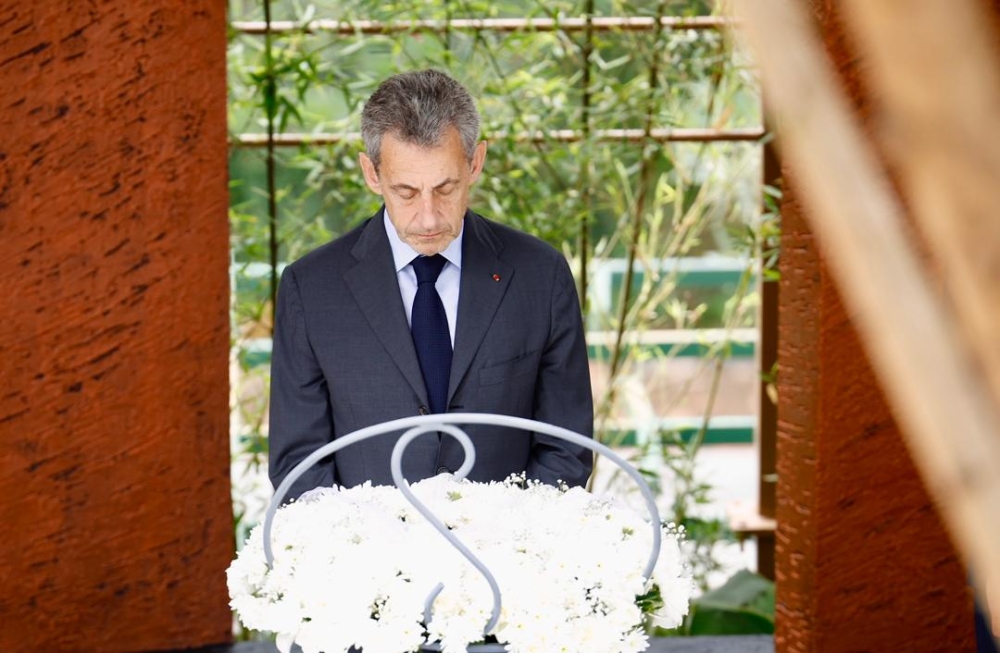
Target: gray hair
(417,107)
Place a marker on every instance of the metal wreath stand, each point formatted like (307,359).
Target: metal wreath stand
(418,425)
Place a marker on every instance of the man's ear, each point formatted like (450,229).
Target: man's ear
(371,175)
(478,161)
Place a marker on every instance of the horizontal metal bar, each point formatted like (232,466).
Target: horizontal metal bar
(599,23)
(558,135)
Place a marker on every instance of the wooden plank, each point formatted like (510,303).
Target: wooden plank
(746,521)
(913,340)
(935,65)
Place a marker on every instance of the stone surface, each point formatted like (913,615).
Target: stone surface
(114,328)
(863,561)
(734,644)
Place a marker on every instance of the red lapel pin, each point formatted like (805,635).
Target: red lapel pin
(496,277)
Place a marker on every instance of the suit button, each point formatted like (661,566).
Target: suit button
(423,410)
(443,470)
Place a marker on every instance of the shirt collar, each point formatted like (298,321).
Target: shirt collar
(403,254)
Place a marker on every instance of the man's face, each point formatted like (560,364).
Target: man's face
(426,190)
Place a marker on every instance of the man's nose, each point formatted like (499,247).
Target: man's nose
(428,208)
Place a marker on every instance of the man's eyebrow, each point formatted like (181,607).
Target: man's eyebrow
(447,181)
(399,187)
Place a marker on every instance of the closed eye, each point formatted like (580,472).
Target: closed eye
(405,192)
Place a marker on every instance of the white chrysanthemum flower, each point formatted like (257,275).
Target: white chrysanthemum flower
(354,567)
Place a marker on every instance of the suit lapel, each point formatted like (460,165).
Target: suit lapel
(375,288)
(485,279)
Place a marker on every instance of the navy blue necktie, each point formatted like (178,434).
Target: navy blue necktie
(429,326)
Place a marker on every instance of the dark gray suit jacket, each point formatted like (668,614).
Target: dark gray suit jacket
(343,359)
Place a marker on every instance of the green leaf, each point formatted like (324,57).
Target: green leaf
(743,605)
(706,619)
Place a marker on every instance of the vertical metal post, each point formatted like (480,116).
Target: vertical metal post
(271,109)
(588,164)
(767,358)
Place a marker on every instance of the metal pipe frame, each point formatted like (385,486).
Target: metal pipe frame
(598,23)
(680,135)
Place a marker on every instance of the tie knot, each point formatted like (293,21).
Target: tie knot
(428,268)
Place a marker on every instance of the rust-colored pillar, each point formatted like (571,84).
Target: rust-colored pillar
(863,561)
(114,329)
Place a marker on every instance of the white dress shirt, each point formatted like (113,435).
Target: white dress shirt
(447,283)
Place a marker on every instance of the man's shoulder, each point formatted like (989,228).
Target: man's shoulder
(517,244)
(332,256)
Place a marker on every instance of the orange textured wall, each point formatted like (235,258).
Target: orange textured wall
(863,561)
(114,477)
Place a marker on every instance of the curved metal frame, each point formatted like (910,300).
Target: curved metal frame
(418,425)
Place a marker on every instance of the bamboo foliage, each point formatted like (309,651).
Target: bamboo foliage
(616,129)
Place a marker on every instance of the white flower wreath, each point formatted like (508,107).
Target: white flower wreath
(353,567)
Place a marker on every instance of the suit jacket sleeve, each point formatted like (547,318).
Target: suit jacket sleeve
(563,395)
(300,416)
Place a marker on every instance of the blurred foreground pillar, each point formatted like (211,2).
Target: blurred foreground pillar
(114,328)
(862,560)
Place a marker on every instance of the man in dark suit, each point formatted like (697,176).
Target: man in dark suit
(426,308)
